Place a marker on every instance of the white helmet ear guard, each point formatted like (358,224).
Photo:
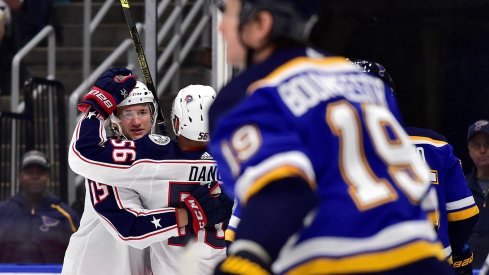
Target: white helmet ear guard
(190,107)
(139,95)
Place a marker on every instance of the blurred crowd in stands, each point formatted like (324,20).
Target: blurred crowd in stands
(20,21)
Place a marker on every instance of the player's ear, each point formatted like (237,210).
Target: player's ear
(176,123)
(258,30)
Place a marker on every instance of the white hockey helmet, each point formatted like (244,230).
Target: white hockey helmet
(191,106)
(139,95)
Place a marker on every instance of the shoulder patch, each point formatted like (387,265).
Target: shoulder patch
(159,139)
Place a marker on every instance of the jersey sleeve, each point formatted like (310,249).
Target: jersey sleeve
(114,162)
(269,161)
(263,150)
(122,214)
(230,233)
(460,203)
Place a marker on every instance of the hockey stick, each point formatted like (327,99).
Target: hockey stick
(160,120)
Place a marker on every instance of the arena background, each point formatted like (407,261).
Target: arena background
(437,52)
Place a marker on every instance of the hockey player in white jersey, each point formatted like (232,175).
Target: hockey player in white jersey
(172,171)
(92,249)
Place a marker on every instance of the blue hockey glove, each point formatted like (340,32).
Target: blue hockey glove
(242,263)
(462,261)
(112,87)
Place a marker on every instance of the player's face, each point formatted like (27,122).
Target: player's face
(479,150)
(135,120)
(229,27)
(33,179)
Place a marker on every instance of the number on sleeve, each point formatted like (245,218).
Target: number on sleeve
(99,191)
(244,143)
(123,151)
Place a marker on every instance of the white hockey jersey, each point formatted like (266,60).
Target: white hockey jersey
(135,187)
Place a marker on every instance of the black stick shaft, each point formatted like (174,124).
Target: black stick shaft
(160,120)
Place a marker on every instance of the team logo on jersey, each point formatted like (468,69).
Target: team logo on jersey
(479,124)
(48,222)
(189,98)
(159,139)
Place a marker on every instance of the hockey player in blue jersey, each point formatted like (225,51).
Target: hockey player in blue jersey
(140,187)
(326,177)
(457,211)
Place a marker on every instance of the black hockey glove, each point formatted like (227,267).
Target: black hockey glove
(462,261)
(207,205)
(112,87)
(218,206)
(242,263)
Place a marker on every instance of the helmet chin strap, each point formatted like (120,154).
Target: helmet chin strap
(153,118)
(116,127)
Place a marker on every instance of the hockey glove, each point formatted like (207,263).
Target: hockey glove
(112,87)
(206,205)
(243,263)
(462,261)
(218,206)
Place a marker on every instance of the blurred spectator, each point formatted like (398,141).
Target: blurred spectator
(14,4)
(5,46)
(32,17)
(4,18)
(35,226)
(28,18)
(9,45)
(478,181)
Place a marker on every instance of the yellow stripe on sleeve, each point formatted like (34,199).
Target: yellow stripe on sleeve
(66,214)
(276,174)
(372,262)
(229,235)
(293,63)
(464,214)
(427,139)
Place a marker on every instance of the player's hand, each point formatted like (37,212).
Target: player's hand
(112,87)
(218,207)
(207,206)
(462,261)
(197,218)
(242,263)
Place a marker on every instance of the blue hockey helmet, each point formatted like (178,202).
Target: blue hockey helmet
(293,19)
(375,69)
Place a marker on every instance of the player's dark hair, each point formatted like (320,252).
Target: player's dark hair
(293,19)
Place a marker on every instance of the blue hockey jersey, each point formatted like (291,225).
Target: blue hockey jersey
(455,200)
(303,114)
